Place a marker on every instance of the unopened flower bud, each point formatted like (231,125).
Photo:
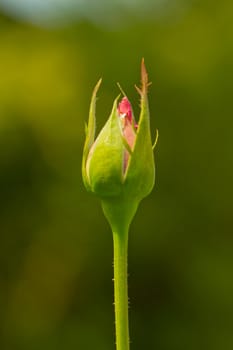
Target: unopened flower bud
(118,166)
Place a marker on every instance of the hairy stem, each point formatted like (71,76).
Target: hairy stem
(120,242)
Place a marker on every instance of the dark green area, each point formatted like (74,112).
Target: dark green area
(56,288)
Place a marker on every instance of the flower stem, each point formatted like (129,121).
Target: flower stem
(120,243)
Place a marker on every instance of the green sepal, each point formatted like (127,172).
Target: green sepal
(104,165)
(90,134)
(140,174)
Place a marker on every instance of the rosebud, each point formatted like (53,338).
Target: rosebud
(119,165)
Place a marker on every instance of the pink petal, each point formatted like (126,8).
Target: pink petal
(128,127)
(125,108)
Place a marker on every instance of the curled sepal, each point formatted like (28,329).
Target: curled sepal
(140,174)
(90,134)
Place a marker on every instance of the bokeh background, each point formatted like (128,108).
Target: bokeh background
(56,288)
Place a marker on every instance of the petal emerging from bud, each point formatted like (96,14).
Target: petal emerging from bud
(127,124)
(125,109)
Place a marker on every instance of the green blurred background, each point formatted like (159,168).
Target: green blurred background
(56,288)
